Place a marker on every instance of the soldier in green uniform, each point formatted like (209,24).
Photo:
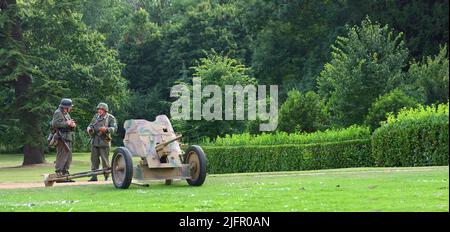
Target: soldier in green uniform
(63,125)
(100,129)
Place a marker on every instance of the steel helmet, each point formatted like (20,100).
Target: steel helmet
(103,105)
(66,103)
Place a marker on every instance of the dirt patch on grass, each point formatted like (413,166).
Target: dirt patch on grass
(41,184)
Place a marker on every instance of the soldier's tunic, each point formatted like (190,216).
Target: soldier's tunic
(100,148)
(63,156)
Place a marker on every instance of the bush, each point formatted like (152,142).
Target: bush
(416,137)
(350,133)
(302,113)
(291,157)
(389,103)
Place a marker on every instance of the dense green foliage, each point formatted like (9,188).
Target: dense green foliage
(431,77)
(391,102)
(67,59)
(245,139)
(302,113)
(415,137)
(292,38)
(217,70)
(367,63)
(264,158)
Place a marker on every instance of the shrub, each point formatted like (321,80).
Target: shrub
(415,137)
(389,103)
(302,113)
(289,157)
(350,133)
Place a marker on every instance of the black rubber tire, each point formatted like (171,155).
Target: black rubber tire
(195,149)
(128,172)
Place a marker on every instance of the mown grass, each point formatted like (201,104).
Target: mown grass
(12,171)
(356,189)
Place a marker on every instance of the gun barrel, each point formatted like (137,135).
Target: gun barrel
(161,146)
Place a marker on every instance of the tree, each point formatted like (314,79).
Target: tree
(108,17)
(302,113)
(293,44)
(391,102)
(365,64)
(431,77)
(220,70)
(199,29)
(16,74)
(290,39)
(424,23)
(59,56)
(140,51)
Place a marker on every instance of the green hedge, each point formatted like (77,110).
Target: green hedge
(416,137)
(290,157)
(280,138)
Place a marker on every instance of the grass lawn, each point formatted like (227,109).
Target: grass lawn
(355,189)
(11,171)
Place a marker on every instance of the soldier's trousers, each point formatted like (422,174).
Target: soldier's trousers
(97,154)
(63,157)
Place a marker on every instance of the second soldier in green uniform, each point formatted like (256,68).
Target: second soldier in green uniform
(100,129)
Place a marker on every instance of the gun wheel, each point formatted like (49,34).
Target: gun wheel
(196,159)
(122,168)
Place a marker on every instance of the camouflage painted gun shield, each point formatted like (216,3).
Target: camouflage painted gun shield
(158,147)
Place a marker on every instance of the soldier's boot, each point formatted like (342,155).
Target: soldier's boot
(59,174)
(66,172)
(93,178)
(106,175)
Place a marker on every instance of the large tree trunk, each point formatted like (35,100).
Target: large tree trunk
(30,123)
(33,152)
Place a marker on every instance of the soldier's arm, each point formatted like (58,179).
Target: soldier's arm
(59,121)
(112,127)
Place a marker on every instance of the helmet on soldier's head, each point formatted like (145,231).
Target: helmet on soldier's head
(66,103)
(103,105)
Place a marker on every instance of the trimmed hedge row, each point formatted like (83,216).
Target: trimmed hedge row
(415,137)
(278,138)
(418,137)
(289,157)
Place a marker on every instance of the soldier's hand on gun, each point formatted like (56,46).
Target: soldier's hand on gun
(71,123)
(103,129)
